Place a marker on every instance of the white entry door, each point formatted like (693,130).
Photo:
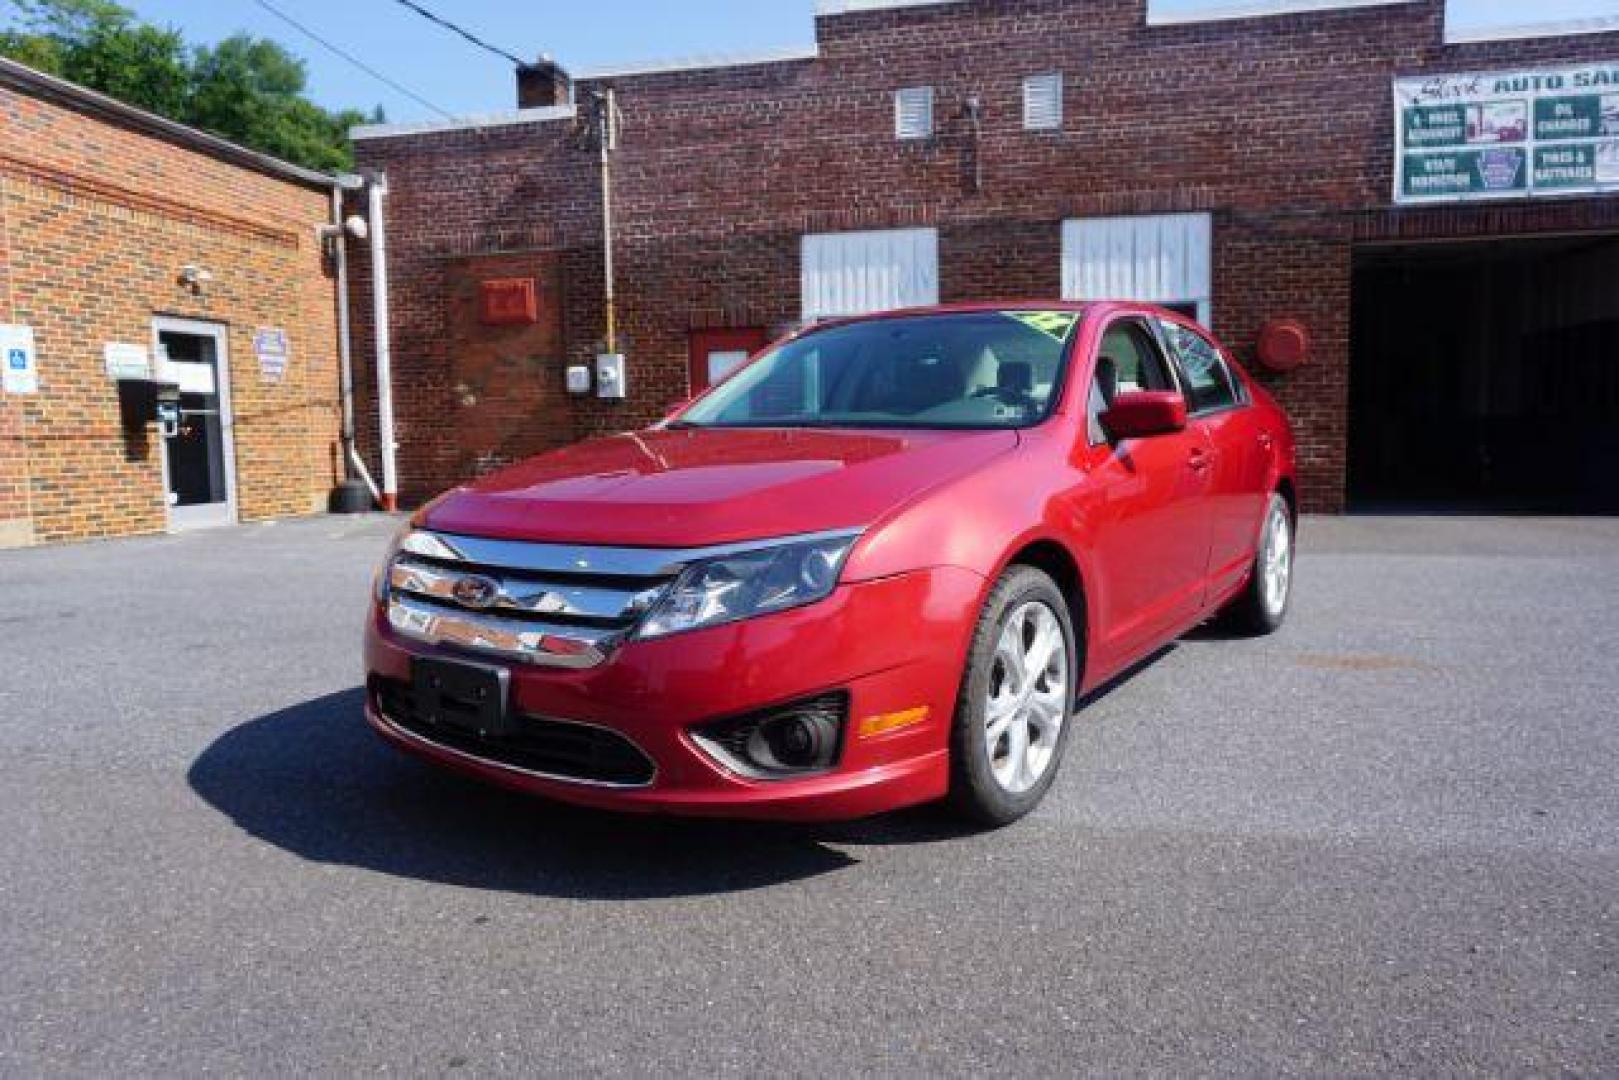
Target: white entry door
(199,456)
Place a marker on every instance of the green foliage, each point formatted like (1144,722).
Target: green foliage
(246,89)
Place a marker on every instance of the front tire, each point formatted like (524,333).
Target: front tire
(1017,695)
(1263,605)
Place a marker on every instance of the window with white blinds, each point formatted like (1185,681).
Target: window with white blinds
(856,273)
(1042,103)
(913,113)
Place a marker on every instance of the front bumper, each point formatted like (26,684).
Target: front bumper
(893,646)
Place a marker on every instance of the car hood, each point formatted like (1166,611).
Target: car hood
(691,488)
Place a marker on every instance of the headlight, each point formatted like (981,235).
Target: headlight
(748,583)
(379,583)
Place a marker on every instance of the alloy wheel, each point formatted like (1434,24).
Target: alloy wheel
(1028,697)
(1276,560)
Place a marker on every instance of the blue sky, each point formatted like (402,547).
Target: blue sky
(461,79)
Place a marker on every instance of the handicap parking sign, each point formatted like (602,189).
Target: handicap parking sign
(20,376)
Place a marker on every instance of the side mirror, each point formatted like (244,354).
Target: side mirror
(1141,414)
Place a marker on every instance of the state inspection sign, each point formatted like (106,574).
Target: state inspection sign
(1507,134)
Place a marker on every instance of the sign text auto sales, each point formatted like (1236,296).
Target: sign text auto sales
(1507,134)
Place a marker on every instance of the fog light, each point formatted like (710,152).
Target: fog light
(792,741)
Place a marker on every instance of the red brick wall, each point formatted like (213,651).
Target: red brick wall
(99,220)
(1281,127)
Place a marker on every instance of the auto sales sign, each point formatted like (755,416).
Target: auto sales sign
(1507,134)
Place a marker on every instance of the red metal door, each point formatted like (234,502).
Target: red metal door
(716,353)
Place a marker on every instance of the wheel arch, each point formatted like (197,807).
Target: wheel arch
(1055,560)
(1286,489)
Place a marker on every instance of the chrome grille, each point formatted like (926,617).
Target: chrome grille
(545,604)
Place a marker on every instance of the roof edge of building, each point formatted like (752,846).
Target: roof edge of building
(833,8)
(1594,24)
(786,54)
(1259,9)
(70,94)
(540,115)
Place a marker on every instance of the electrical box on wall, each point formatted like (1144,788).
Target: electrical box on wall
(612,381)
(578,379)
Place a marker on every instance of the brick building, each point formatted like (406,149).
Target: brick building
(1242,166)
(127,241)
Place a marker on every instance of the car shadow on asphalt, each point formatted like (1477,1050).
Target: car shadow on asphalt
(315,781)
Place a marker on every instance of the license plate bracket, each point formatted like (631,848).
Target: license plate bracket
(469,698)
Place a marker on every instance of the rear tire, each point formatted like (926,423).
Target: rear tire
(1264,603)
(1017,698)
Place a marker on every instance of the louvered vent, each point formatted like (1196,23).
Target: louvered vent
(913,113)
(1042,102)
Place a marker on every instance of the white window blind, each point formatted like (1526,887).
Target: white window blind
(860,272)
(1042,102)
(913,113)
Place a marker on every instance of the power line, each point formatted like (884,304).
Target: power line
(454,29)
(356,61)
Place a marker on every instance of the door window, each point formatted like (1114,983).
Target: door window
(1210,385)
(196,450)
(721,362)
(717,353)
(1128,360)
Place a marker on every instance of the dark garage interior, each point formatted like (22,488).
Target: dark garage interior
(1485,377)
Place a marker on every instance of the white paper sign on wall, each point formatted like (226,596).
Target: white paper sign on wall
(126,361)
(19,364)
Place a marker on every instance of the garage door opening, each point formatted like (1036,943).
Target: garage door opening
(1485,377)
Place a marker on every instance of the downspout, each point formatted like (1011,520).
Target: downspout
(379,318)
(345,356)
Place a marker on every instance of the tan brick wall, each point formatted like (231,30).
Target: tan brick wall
(98,222)
(16,527)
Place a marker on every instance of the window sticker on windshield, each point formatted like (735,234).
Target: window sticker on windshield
(1057,324)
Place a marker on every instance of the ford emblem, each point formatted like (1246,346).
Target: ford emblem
(476,592)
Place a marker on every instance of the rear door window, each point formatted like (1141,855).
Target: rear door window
(1210,383)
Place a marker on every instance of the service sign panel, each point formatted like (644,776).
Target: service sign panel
(1507,134)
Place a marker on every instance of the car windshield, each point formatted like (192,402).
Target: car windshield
(980,369)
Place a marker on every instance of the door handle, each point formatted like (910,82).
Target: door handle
(1199,461)
(1266,441)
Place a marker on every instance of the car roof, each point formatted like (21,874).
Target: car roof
(1078,307)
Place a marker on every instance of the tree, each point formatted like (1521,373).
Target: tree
(247,89)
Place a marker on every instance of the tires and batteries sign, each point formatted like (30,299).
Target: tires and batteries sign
(1507,134)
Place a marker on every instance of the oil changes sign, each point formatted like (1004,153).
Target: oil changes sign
(1507,134)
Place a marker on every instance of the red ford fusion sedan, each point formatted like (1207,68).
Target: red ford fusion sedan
(879,565)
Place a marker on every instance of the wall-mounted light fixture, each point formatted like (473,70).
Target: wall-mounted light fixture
(196,278)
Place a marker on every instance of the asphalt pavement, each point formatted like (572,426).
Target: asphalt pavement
(1383,841)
